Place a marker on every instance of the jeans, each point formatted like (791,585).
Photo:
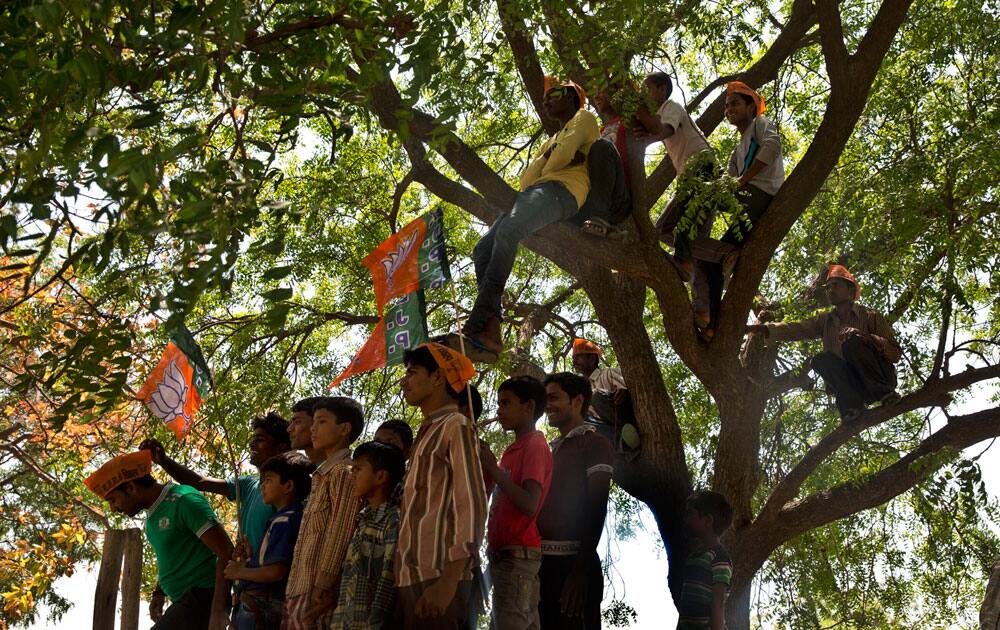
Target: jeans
(609,198)
(494,254)
(190,612)
(861,377)
(258,612)
(516,588)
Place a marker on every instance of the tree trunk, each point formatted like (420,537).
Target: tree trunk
(989,613)
(131,579)
(106,595)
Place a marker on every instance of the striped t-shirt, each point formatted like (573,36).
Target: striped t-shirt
(704,569)
(443,514)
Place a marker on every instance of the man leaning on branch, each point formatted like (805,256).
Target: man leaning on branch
(859,347)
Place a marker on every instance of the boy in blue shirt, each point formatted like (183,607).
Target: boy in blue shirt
(285,483)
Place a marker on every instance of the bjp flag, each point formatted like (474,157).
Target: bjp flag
(412,258)
(174,389)
(403,328)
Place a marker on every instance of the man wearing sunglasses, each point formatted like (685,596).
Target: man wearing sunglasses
(553,188)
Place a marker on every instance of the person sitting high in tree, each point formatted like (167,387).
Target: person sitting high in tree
(693,160)
(609,200)
(553,188)
(859,347)
(190,544)
(758,164)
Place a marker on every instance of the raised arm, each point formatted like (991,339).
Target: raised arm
(182,474)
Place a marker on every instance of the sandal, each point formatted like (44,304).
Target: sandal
(596,226)
(469,345)
(703,326)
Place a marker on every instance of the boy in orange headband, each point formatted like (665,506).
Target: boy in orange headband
(553,188)
(859,347)
(758,164)
(191,547)
(443,511)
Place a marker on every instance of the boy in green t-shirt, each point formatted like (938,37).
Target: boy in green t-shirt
(191,547)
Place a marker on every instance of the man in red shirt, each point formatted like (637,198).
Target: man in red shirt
(522,481)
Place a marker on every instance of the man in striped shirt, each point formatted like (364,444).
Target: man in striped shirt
(443,513)
(859,347)
(328,520)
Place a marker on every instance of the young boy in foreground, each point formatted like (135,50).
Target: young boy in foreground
(444,501)
(367,588)
(284,485)
(328,519)
(522,478)
(708,570)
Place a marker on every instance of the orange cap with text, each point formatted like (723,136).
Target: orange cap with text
(117,471)
(458,368)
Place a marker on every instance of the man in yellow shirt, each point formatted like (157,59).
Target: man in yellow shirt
(553,188)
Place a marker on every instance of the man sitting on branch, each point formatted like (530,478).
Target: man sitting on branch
(553,188)
(859,347)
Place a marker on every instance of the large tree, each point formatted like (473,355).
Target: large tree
(231,162)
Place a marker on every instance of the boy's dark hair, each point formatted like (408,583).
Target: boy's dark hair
(306,404)
(146,481)
(400,428)
(463,400)
(291,466)
(346,409)
(422,357)
(661,79)
(526,388)
(714,504)
(385,457)
(274,425)
(574,385)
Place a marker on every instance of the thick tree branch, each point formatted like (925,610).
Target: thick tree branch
(528,66)
(934,393)
(850,498)
(831,37)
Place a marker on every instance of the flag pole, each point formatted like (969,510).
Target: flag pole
(461,346)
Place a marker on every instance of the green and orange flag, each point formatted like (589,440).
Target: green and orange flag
(175,388)
(406,263)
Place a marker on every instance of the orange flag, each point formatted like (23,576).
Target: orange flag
(173,390)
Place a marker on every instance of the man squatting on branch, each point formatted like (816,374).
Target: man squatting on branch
(859,347)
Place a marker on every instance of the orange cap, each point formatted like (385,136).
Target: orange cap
(458,369)
(119,470)
(552,82)
(740,87)
(583,346)
(840,271)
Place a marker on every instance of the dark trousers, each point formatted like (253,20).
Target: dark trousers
(495,253)
(861,377)
(553,574)
(461,614)
(755,201)
(609,197)
(190,612)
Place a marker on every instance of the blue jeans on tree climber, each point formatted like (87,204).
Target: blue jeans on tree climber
(553,188)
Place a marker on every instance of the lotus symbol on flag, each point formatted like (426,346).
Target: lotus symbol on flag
(167,400)
(394,259)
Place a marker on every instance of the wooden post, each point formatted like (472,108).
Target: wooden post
(106,595)
(131,579)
